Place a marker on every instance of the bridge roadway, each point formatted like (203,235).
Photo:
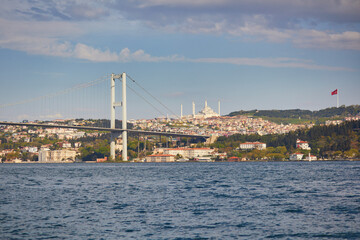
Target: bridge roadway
(119,130)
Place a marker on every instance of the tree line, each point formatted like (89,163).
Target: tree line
(331,141)
(306,114)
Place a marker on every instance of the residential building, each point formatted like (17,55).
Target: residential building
(296,156)
(65,144)
(253,145)
(302,145)
(33,150)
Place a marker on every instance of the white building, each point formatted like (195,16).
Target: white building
(65,145)
(189,152)
(252,145)
(57,156)
(296,156)
(302,145)
(160,158)
(33,150)
(206,112)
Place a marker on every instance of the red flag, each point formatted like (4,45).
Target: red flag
(334,92)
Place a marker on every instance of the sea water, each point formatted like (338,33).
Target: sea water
(245,200)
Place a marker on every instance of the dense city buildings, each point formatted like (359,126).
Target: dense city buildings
(21,143)
(216,126)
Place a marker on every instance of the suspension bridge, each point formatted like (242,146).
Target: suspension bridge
(70,104)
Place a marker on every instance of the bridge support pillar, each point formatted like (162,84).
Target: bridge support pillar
(124,116)
(112,118)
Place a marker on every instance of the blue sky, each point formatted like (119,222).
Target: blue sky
(249,54)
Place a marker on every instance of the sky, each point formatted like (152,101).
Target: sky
(249,54)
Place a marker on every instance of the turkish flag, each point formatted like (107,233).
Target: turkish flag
(334,92)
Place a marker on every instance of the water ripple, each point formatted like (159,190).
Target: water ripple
(180,201)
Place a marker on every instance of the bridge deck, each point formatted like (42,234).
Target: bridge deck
(119,130)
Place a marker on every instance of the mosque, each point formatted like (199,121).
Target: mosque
(206,112)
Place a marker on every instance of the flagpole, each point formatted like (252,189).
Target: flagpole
(337,99)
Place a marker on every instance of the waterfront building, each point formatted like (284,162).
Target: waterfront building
(233,159)
(57,156)
(102,159)
(311,158)
(253,145)
(296,156)
(160,158)
(205,159)
(189,152)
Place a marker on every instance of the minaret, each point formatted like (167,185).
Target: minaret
(193,108)
(219,107)
(181,111)
(205,103)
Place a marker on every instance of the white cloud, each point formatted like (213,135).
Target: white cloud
(85,52)
(38,37)
(322,10)
(55,38)
(300,22)
(21,38)
(271,63)
(41,117)
(45,38)
(329,40)
(51,116)
(56,23)
(304,38)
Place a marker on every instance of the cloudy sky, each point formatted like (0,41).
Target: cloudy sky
(250,54)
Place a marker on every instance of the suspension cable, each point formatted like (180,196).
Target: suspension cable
(153,97)
(139,95)
(62,92)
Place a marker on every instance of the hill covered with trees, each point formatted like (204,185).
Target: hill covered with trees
(303,115)
(334,141)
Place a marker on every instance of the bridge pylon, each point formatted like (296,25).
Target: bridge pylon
(115,104)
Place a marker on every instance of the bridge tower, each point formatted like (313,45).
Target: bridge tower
(124,117)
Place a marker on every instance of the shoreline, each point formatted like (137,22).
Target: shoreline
(90,162)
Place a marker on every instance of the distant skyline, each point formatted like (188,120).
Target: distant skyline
(249,54)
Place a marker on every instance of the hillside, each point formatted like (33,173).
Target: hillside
(301,116)
(334,141)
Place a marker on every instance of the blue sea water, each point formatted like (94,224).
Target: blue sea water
(247,200)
